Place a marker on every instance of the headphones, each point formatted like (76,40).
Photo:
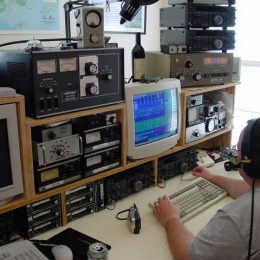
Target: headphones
(249,163)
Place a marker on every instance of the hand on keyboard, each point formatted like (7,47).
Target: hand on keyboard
(196,197)
(165,210)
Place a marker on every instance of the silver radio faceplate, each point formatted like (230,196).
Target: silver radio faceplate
(57,150)
(195,132)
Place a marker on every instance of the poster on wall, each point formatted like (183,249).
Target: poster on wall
(29,16)
(112,19)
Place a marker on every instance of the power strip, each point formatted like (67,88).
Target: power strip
(204,159)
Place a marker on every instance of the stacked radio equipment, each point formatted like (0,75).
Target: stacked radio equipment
(38,217)
(195,39)
(57,155)
(205,114)
(101,136)
(84,200)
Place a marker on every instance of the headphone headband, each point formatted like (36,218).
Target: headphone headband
(249,165)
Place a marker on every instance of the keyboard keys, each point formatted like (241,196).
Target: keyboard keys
(196,197)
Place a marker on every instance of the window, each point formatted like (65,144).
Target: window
(247,100)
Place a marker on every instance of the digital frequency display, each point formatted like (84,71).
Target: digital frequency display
(155,116)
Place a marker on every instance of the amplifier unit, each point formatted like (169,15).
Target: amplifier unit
(59,81)
(197,16)
(192,69)
(128,182)
(196,69)
(39,217)
(176,164)
(185,40)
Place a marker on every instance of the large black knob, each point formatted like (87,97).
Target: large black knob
(137,186)
(90,68)
(218,44)
(218,19)
(180,76)
(188,64)
(60,152)
(91,89)
(196,76)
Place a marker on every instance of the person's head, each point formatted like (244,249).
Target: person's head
(249,150)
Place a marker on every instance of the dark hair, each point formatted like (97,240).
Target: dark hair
(255,141)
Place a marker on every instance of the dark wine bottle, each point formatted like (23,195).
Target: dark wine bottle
(138,55)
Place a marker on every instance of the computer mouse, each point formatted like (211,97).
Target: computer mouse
(62,252)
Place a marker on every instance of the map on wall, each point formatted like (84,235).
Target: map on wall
(21,16)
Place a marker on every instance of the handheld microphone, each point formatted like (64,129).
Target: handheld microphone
(129,8)
(230,166)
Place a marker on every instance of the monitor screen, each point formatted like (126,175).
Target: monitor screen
(6,174)
(155,116)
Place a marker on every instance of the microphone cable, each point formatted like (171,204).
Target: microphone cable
(252,220)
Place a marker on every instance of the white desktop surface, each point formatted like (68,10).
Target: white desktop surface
(151,243)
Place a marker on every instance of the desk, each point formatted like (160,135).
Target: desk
(151,243)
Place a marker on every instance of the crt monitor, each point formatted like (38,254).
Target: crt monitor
(153,117)
(11,182)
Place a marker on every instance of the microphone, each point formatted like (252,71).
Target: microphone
(230,166)
(129,8)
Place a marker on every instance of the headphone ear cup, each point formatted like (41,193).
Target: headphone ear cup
(253,169)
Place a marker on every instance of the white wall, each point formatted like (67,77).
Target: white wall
(150,41)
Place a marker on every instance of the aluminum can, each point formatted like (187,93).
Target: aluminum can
(97,251)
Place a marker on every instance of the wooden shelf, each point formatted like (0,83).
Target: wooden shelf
(26,124)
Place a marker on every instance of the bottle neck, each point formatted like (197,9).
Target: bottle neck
(138,38)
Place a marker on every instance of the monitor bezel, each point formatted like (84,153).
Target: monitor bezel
(159,146)
(9,113)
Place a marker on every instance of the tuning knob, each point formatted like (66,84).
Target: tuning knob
(184,167)
(91,89)
(180,76)
(49,90)
(137,186)
(218,19)
(90,68)
(113,119)
(188,64)
(196,133)
(196,76)
(218,44)
(94,38)
(60,152)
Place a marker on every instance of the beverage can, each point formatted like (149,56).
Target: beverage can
(97,251)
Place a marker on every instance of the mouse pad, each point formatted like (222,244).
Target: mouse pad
(75,240)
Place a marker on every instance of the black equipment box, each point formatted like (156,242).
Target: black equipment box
(38,217)
(128,182)
(59,81)
(177,163)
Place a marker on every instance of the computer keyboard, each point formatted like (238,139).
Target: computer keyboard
(196,197)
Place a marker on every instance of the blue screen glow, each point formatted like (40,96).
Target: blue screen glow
(155,116)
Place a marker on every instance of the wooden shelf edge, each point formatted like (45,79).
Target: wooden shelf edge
(31,122)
